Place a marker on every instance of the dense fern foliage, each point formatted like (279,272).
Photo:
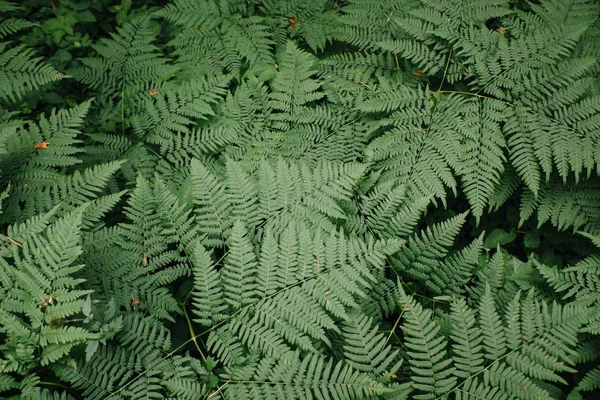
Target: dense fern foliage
(300,199)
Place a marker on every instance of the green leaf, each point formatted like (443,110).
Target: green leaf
(499,237)
(531,240)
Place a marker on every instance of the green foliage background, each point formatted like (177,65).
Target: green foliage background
(300,199)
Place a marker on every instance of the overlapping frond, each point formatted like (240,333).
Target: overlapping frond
(126,65)
(21,70)
(251,207)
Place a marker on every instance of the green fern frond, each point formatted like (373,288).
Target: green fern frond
(456,270)
(481,162)
(44,296)
(467,338)
(208,294)
(421,55)
(591,381)
(426,350)
(364,23)
(304,379)
(241,190)
(175,111)
(177,218)
(13,25)
(144,338)
(474,389)
(108,369)
(133,261)
(507,185)
(491,327)
(389,213)
(256,335)
(365,349)
(45,394)
(226,346)
(71,190)
(299,310)
(216,39)
(251,212)
(421,257)
(238,275)
(525,151)
(212,203)
(21,70)
(44,147)
(127,64)
(292,86)
(565,206)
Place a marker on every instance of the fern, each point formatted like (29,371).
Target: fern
(365,349)
(303,380)
(250,206)
(128,63)
(212,40)
(42,294)
(426,350)
(21,70)
(44,147)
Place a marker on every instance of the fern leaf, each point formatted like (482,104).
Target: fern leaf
(466,341)
(432,370)
(128,63)
(494,343)
(591,381)
(306,379)
(422,254)
(365,348)
(482,158)
(213,206)
(243,197)
(21,71)
(209,305)
(293,87)
(238,275)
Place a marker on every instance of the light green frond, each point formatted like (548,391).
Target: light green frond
(293,86)
(305,379)
(207,296)
(108,369)
(12,25)
(365,349)
(494,344)
(175,111)
(238,275)
(128,64)
(241,190)
(432,370)
(481,161)
(144,338)
(474,389)
(21,70)
(212,204)
(565,205)
(456,270)
(467,338)
(421,55)
(46,146)
(300,310)
(591,381)
(421,257)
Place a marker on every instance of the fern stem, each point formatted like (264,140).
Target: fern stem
(219,389)
(192,333)
(445,71)
(55,384)
(393,330)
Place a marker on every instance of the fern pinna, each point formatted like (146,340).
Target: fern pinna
(302,199)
